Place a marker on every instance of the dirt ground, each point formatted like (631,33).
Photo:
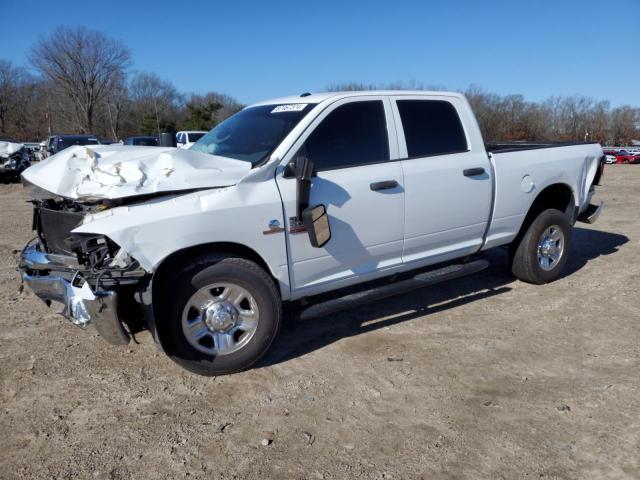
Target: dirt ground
(484,377)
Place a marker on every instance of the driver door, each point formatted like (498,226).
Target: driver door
(351,144)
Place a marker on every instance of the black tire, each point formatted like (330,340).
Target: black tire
(203,271)
(524,254)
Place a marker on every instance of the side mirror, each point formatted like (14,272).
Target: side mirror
(301,168)
(316,221)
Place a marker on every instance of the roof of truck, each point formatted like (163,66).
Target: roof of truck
(320,97)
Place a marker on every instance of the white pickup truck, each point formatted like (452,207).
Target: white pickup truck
(288,199)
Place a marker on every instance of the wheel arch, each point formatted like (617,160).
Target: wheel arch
(169,263)
(232,248)
(557,195)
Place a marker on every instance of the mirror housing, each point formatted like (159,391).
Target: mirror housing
(316,222)
(302,168)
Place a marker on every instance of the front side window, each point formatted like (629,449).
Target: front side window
(353,134)
(431,127)
(253,133)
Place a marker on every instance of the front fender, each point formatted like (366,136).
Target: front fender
(240,214)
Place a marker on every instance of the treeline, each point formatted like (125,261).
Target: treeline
(82,83)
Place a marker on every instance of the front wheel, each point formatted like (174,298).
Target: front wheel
(222,314)
(542,252)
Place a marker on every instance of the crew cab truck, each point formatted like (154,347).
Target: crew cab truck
(288,199)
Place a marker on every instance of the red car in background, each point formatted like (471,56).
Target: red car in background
(623,156)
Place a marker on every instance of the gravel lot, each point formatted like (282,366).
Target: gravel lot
(484,377)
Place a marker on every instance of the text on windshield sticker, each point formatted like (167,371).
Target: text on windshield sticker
(292,107)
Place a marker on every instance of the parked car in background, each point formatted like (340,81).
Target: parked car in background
(624,156)
(42,153)
(288,199)
(143,141)
(186,139)
(14,159)
(34,149)
(609,156)
(57,143)
(107,141)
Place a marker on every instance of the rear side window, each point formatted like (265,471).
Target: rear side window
(431,127)
(353,134)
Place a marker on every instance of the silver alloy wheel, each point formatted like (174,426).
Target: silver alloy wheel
(550,247)
(220,318)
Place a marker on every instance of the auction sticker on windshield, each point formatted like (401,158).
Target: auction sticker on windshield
(292,107)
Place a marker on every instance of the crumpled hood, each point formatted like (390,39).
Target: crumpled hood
(7,148)
(116,171)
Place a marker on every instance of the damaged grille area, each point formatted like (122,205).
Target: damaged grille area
(54,227)
(99,260)
(54,221)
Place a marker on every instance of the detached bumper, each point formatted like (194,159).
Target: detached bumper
(56,278)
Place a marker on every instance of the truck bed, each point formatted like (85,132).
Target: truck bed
(523,170)
(503,147)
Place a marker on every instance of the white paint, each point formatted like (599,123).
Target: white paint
(527,184)
(435,214)
(116,171)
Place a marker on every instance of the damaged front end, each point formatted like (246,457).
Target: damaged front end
(92,277)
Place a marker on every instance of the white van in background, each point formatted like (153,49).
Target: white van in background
(186,139)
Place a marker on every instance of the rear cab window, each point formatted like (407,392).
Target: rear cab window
(431,127)
(351,135)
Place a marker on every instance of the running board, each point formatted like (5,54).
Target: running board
(421,280)
(591,213)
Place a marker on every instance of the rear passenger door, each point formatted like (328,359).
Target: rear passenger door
(447,178)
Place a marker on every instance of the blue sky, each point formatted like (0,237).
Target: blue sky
(261,49)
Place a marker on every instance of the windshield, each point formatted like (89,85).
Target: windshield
(252,134)
(194,137)
(66,142)
(146,141)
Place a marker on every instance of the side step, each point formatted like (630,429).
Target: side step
(421,280)
(591,213)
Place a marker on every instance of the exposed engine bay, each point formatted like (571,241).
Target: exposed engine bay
(53,220)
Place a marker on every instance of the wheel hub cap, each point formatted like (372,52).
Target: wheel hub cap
(550,248)
(220,316)
(547,247)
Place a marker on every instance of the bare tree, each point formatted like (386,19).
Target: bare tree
(156,102)
(623,125)
(115,103)
(18,95)
(85,64)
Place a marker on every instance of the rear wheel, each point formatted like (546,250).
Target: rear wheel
(542,253)
(222,314)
